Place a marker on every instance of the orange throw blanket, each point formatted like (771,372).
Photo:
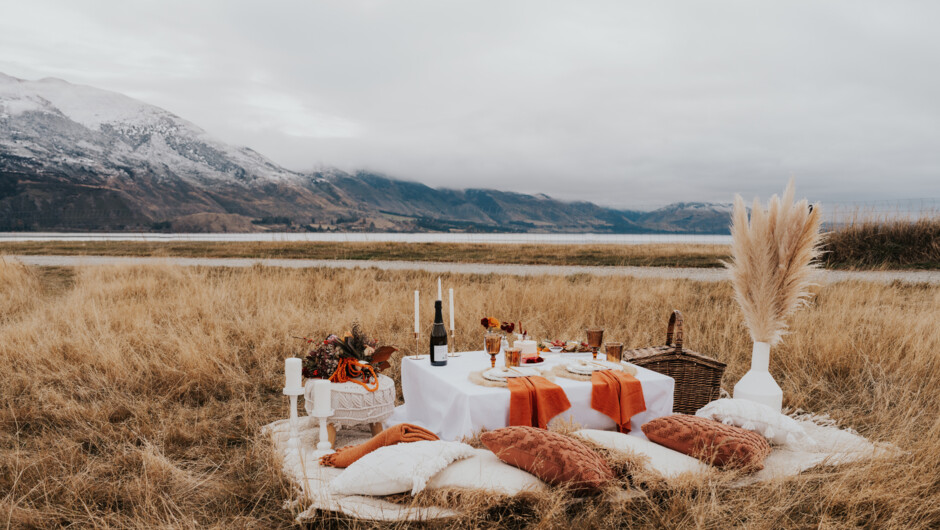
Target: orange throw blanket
(534,401)
(401,433)
(618,395)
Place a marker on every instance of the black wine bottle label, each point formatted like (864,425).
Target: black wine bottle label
(438,338)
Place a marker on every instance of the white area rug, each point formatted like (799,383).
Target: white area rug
(833,446)
(305,470)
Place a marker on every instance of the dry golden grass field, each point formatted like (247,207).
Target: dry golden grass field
(132,397)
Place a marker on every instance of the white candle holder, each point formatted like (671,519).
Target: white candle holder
(324,446)
(294,441)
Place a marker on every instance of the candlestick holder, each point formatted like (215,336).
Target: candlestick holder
(294,441)
(324,446)
(451,345)
(416,356)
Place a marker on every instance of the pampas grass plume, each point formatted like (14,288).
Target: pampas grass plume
(773,258)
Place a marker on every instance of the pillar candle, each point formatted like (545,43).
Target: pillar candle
(439,297)
(451,294)
(293,370)
(321,397)
(417,322)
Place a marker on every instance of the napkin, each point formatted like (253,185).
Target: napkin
(618,395)
(401,433)
(534,401)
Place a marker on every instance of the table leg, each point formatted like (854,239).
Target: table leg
(376,428)
(331,434)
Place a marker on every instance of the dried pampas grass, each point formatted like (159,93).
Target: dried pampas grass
(773,260)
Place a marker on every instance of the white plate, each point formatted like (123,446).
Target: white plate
(501,374)
(587,367)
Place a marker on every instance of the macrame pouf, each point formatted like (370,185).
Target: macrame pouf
(354,405)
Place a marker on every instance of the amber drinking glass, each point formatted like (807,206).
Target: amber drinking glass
(513,356)
(614,351)
(595,337)
(493,341)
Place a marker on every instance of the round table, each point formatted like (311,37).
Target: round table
(352,404)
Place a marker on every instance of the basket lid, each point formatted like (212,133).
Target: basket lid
(670,349)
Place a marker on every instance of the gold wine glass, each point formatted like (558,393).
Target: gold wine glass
(493,341)
(614,351)
(595,337)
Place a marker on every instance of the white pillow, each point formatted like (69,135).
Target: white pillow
(485,471)
(663,460)
(398,468)
(757,417)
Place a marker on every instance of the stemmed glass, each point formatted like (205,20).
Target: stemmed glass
(493,341)
(595,337)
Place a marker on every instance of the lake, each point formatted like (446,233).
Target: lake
(366,237)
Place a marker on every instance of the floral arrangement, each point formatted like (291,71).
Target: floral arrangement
(495,326)
(355,357)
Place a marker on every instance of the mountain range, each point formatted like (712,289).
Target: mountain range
(74,157)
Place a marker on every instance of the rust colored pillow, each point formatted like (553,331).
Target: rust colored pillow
(710,441)
(552,457)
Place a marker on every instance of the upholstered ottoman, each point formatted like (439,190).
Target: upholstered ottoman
(352,405)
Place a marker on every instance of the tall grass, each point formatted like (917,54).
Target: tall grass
(132,396)
(865,242)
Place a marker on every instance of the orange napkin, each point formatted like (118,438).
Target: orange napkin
(401,433)
(534,401)
(618,395)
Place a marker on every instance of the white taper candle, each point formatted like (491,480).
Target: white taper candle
(293,373)
(439,297)
(321,397)
(417,322)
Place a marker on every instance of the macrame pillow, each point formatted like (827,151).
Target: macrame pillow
(552,457)
(398,468)
(712,442)
(757,417)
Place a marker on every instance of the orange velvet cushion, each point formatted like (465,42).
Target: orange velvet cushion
(552,457)
(711,441)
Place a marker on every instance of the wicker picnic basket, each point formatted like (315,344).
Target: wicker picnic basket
(698,378)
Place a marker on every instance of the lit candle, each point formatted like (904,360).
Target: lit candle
(439,297)
(417,322)
(293,370)
(451,294)
(321,397)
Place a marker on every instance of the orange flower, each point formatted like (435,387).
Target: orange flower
(493,322)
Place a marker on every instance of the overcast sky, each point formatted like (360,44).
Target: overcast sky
(632,104)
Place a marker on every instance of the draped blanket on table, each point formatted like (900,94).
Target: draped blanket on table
(534,401)
(618,395)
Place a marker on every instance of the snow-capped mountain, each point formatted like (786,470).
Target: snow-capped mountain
(112,132)
(78,157)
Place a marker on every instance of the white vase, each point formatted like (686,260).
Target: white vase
(757,384)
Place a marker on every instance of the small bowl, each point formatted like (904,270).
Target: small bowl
(555,349)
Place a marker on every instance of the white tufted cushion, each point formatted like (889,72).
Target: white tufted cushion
(485,471)
(757,417)
(398,468)
(663,460)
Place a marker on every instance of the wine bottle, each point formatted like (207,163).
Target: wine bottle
(438,338)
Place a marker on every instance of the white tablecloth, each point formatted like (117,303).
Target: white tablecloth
(443,400)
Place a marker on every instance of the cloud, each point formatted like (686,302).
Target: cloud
(623,103)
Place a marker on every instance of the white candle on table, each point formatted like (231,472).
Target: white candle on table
(451,293)
(439,288)
(293,370)
(417,323)
(321,397)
